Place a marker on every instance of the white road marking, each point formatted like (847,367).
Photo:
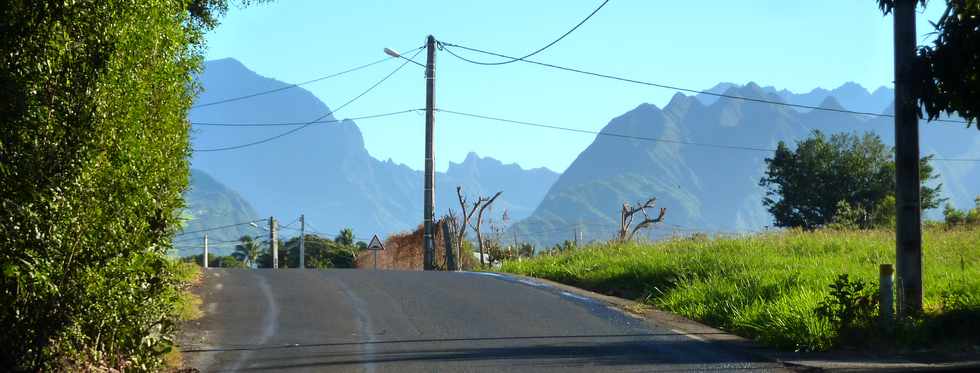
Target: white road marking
(689,335)
(576,296)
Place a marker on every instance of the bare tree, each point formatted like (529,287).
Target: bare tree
(479,206)
(626,218)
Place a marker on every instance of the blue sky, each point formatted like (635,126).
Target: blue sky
(792,44)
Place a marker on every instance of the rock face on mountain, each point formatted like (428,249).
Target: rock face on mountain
(713,188)
(324,170)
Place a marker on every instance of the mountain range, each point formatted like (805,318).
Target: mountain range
(707,166)
(325,172)
(704,166)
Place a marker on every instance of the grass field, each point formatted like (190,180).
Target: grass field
(766,286)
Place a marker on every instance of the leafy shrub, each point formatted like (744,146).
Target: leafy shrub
(851,308)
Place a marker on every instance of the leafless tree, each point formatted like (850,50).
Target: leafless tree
(626,218)
(479,206)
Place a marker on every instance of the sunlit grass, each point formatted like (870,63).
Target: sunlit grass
(766,286)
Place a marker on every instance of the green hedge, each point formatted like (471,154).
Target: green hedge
(93,161)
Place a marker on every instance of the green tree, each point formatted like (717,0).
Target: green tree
(346,237)
(247,251)
(947,73)
(807,187)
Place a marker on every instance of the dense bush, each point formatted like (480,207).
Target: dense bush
(93,161)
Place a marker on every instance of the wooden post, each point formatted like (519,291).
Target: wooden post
(447,237)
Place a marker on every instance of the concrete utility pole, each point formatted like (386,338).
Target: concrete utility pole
(428,256)
(908,227)
(205,259)
(302,242)
(274,242)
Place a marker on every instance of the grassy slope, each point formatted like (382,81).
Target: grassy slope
(766,286)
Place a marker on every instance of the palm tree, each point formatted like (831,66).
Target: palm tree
(346,237)
(248,251)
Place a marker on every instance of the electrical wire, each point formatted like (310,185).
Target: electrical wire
(673,87)
(610,134)
(515,59)
(653,139)
(232,99)
(302,123)
(217,228)
(307,124)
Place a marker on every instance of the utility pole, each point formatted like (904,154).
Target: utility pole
(428,255)
(302,242)
(205,260)
(274,242)
(908,227)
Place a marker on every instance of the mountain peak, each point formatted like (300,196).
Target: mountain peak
(831,103)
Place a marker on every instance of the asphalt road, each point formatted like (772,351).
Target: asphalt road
(393,321)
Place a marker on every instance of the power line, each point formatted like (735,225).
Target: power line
(672,87)
(307,124)
(654,139)
(291,85)
(513,59)
(217,228)
(225,124)
(610,134)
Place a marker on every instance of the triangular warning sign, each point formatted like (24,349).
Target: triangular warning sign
(375,244)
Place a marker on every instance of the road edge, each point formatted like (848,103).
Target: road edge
(800,362)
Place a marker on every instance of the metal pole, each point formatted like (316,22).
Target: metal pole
(205,259)
(302,242)
(375,259)
(430,118)
(908,230)
(273,242)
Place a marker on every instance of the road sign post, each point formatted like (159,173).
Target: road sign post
(375,246)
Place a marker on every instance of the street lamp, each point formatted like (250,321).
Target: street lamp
(394,53)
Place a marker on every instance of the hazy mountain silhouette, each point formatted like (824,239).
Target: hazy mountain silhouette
(324,171)
(716,189)
(212,204)
(850,96)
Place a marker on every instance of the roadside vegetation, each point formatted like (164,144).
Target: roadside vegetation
(814,284)
(769,286)
(94,143)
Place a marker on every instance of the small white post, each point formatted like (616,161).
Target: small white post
(205,259)
(886,286)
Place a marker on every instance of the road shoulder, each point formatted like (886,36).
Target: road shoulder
(798,361)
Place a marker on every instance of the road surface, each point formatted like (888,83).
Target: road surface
(392,321)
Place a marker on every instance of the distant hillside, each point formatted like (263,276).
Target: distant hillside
(712,189)
(324,171)
(212,204)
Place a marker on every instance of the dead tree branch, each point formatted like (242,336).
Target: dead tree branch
(626,218)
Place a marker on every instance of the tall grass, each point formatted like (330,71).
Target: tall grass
(766,286)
